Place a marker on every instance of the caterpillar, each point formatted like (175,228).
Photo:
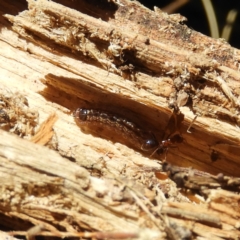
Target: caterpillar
(107,124)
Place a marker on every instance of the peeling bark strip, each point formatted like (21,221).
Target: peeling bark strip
(189,178)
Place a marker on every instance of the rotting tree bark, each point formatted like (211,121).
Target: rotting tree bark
(120,57)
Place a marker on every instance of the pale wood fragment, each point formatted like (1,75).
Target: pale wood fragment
(45,132)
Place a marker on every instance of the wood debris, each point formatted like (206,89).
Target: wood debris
(178,85)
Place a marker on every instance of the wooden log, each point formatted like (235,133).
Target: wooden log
(125,59)
(138,70)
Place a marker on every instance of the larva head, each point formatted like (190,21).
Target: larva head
(81,113)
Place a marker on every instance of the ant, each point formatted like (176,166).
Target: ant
(163,146)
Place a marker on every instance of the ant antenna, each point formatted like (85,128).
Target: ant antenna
(188,130)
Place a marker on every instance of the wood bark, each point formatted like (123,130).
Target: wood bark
(120,57)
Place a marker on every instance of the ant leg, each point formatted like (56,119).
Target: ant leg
(165,159)
(154,151)
(159,147)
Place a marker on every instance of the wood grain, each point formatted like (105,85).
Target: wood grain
(120,57)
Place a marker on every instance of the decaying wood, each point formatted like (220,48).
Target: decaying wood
(120,57)
(35,189)
(138,71)
(197,180)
